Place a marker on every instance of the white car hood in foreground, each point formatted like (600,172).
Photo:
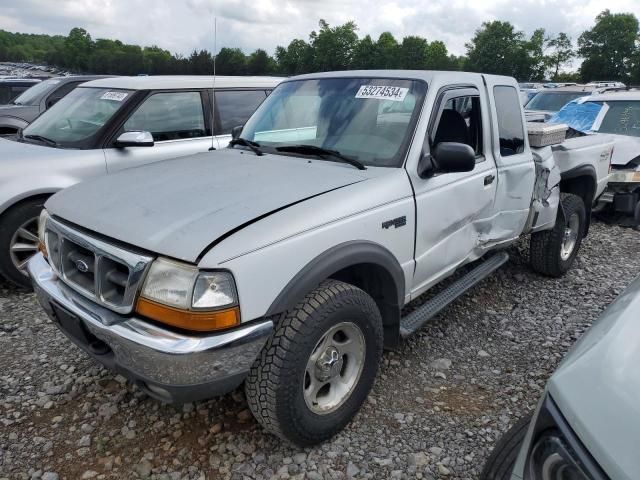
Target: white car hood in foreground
(597,387)
(180,207)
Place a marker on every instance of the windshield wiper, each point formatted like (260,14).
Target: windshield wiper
(42,139)
(254,146)
(321,152)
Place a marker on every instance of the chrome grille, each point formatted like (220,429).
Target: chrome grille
(104,273)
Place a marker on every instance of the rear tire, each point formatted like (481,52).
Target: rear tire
(18,239)
(336,332)
(500,463)
(552,252)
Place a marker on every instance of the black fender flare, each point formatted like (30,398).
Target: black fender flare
(340,257)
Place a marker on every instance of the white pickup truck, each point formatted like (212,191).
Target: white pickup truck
(285,260)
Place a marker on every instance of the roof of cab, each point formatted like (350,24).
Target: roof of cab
(159,82)
(426,75)
(619,96)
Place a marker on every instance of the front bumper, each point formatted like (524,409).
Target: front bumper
(170,366)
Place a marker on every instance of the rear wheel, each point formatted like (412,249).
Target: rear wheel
(505,453)
(317,368)
(553,251)
(19,240)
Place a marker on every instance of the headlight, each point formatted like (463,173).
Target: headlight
(180,295)
(552,459)
(42,223)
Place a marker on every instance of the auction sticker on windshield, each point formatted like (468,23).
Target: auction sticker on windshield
(116,96)
(382,92)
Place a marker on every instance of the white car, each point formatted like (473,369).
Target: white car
(105,126)
(284,261)
(586,424)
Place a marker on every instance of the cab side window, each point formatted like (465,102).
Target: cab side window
(60,93)
(235,107)
(461,122)
(169,116)
(510,128)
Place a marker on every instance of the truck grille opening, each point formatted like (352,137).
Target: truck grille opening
(105,273)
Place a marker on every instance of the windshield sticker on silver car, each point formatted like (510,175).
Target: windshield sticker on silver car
(115,96)
(382,92)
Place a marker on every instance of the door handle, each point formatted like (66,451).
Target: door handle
(488,180)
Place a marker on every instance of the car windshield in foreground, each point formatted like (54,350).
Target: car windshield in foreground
(32,95)
(369,120)
(77,118)
(552,101)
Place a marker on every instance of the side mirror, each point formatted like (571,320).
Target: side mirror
(135,139)
(452,157)
(236,131)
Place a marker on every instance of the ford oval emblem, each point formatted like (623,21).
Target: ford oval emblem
(82,266)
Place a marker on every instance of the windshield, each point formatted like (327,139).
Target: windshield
(366,119)
(552,101)
(622,118)
(77,118)
(34,94)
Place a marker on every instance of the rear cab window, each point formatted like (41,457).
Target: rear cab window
(510,127)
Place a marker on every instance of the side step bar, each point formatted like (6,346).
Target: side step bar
(421,315)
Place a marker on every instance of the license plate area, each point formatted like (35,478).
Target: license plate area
(71,324)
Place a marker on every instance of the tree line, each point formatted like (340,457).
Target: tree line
(610,50)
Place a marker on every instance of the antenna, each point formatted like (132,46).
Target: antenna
(213,92)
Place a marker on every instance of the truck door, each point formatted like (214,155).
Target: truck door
(452,209)
(177,121)
(514,161)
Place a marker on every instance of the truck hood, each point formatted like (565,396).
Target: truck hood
(597,387)
(25,112)
(180,207)
(626,149)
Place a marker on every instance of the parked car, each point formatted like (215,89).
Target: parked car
(284,261)
(618,116)
(586,424)
(549,101)
(23,109)
(105,126)
(10,88)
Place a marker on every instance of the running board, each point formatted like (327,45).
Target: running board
(425,312)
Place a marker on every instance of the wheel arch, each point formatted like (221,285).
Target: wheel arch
(10,125)
(581,181)
(25,197)
(367,265)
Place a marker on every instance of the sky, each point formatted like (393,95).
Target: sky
(181,26)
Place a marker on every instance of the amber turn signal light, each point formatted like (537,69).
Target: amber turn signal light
(199,321)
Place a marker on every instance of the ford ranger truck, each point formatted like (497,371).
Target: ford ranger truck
(284,261)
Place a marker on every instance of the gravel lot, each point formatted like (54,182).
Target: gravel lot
(439,403)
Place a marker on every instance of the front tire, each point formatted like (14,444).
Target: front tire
(19,240)
(500,463)
(318,366)
(552,252)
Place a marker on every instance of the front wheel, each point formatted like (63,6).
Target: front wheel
(319,365)
(19,240)
(505,453)
(552,252)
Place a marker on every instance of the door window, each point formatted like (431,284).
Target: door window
(169,116)
(61,92)
(235,107)
(461,122)
(510,128)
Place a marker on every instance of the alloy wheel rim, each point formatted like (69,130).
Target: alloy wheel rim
(334,368)
(24,244)
(570,237)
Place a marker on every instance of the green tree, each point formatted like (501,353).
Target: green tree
(296,58)
(365,54)
(260,63)
(535,63)
(438,57)
(609,47)
(498,48)
(414,53)
(388,50)
(333,48)
(561,54)
(231,61)
(78,46)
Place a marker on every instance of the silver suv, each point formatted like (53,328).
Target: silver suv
(105,126)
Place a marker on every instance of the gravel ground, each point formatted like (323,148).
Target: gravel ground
(439,403)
